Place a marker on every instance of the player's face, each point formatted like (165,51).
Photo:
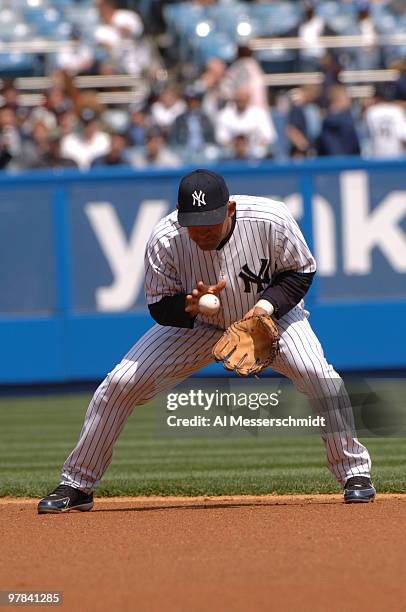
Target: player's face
(208,237)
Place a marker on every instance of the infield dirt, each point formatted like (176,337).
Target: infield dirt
(210,554)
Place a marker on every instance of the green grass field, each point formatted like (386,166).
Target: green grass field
(37,433)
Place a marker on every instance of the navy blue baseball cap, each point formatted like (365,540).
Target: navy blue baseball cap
(202,199)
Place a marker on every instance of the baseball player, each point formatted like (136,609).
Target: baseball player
(250,252)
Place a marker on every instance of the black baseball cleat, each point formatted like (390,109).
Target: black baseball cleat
(359,489)
(64,499)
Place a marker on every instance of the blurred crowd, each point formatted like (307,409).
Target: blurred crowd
(223,111)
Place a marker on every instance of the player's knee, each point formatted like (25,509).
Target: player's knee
(127,381)
(319,384)
(319,369)
(123,378)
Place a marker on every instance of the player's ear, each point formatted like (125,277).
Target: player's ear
(177,205)
(231,208)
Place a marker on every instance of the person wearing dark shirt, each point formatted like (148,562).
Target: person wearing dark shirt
(338,134)
(238,150)
(399,89)
(116,155)
(298,130)
(138,127)
(49,156)
(192,129)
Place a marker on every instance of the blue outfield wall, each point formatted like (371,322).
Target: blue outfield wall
(71,245)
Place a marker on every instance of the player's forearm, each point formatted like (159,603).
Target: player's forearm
(170,311)
(286,290)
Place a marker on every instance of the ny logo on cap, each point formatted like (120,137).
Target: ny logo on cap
(199,198)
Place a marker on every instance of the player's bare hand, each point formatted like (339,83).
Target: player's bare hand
(255,311)
(192,299)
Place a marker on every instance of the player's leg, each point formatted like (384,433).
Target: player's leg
(161,359)
(302,360)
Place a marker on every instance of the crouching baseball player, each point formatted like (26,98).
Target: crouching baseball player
(252,252)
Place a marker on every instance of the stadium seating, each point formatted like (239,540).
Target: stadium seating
(198,32)
(227,24)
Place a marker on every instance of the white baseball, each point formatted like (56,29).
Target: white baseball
(209,304)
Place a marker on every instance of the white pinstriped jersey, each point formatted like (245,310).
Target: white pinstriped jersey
(266,240)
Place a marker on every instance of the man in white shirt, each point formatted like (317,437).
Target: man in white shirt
(368,56)
(89,143)
(386,125)
(242,117)
(246,71)
(77,59)
(120,32)
(309,32)
(123,23)
(167,108)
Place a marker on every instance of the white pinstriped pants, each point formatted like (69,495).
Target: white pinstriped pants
(165,356)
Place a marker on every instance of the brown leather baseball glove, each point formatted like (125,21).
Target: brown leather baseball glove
(248,346)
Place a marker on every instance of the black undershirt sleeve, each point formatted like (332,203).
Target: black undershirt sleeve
(170,311)
(286,290)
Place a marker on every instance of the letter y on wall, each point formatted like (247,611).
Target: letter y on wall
(125,258)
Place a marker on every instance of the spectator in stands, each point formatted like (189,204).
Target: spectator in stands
(116,156)
(330,68)
(167,108)
(120,34)
(87,144)
(115,119)
(155,153)
(10,137)
(368,57)
(304,121)
(76,59)
(242,117)
(10,133)
(400,85)
(139,124)
(246,71)
(135,57)
(35,147)
(310,30)
(192,129)
(239,149)
(50,155)
(211,82)
(63,81)
(338,134)
(9,95)
(5,156)
(116,23)
(67,122)
(59,107)
(57,102)
(39,115)
(386,125)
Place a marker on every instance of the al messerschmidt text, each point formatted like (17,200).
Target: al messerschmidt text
(240,421)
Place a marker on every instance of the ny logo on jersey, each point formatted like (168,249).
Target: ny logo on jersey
(261,280)
(199,198)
